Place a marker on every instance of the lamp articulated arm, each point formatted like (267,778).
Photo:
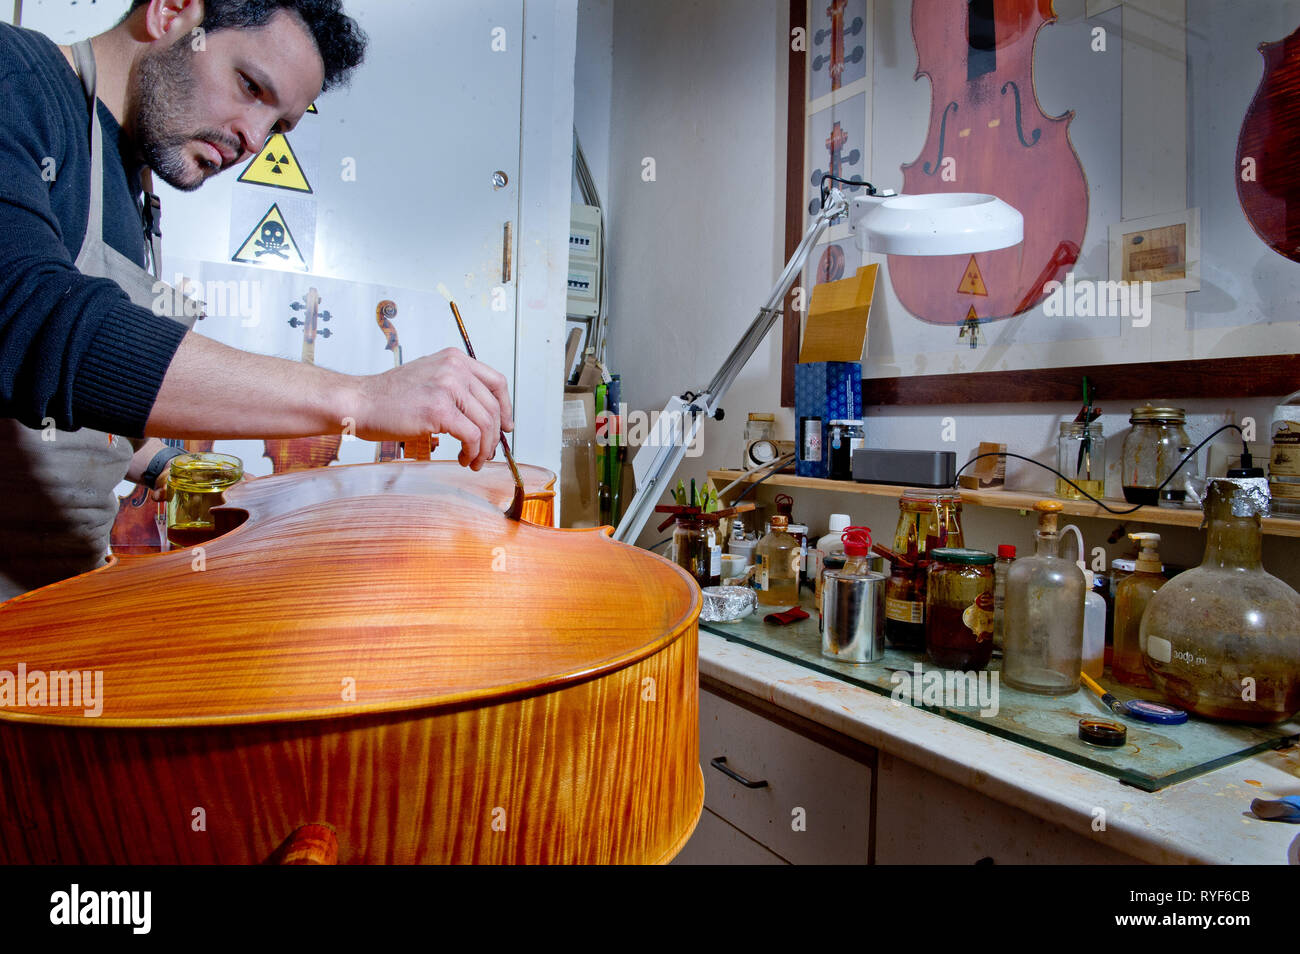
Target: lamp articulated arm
(679,423)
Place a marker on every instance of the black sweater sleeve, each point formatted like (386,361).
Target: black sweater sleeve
(72,348)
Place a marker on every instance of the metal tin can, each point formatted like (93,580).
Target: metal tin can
(853,616)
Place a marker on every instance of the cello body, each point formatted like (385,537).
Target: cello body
(987,134)
(1268,183)
(372,650)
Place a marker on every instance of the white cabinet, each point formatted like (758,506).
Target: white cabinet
(793,788)
(779,788)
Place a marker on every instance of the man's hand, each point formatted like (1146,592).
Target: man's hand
(444,393)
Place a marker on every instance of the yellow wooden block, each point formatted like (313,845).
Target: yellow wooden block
(836,329)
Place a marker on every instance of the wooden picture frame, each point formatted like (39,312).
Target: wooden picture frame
(1243,376)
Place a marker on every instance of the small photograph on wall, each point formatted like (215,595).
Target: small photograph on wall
(837,145)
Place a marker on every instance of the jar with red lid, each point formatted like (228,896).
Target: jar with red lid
(959,608)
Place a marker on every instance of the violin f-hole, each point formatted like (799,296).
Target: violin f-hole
(930,169)
(1020,131)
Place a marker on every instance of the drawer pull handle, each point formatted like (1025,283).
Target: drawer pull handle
(720,763)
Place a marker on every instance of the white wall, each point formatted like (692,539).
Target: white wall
(700,86)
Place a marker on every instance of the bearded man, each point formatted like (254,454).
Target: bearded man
(187,89)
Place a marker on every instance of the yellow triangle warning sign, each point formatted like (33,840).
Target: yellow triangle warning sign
(276,166)
(312,109)
(270,243)
(972,282)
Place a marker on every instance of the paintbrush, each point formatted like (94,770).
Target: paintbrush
(516,511)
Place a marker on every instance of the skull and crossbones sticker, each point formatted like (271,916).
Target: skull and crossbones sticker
(270,241)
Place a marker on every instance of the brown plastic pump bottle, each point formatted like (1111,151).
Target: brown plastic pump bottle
(1131,598)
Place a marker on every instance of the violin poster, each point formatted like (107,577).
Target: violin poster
(1026,101)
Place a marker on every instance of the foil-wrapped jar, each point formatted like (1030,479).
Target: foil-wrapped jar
(1223,639)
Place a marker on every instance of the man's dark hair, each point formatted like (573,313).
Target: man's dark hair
(339,40)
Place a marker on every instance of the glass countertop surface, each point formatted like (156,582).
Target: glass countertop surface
(1153,757)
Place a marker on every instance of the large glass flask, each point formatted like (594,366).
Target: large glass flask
(1223,639)
(1043,642)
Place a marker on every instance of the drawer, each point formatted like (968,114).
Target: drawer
(816,804)
(925,819)
(716,842)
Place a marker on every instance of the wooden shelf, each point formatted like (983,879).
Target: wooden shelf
(1010,500)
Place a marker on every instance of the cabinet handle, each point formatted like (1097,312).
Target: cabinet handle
(720,763)
(506,248)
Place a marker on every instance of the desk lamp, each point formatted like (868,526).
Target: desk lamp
(937,224)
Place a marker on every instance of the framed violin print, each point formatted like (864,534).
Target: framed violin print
(1030,103)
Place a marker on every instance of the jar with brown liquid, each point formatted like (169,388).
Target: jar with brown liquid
(926,519)
(959,608)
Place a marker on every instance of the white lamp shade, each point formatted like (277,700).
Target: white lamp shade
(948,223)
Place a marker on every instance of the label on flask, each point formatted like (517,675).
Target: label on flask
(1160,649)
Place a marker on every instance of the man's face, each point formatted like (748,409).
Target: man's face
(194,113)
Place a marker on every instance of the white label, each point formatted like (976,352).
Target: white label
(574,416)
(1159,649)
(715,559)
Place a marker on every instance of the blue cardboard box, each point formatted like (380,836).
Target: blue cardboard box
(830,391)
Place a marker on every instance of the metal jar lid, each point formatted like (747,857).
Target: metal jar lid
(1151,413)
(847,422)
(964,556)
(925,500)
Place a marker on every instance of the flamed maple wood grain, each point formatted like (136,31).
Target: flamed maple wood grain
(554,696)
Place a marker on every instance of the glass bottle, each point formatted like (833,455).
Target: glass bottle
(1043,648)
(1152,449)
(1006,556)
(694,551)
(1284,457)
(926,519)
(777,560)
(1223,639)
(1081,456)
(1132,597)
(959,608)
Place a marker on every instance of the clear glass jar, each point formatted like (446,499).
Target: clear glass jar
(695,550)
(1043,642)
(1081,456)
(195,484)
(1223,639)
(759,427)
(1152,449)
(959,608)
(926,519)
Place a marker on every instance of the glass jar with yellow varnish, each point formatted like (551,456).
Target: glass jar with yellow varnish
(195,484)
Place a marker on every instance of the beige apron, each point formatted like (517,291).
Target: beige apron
(57,488)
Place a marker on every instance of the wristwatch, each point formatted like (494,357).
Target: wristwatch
(159,463)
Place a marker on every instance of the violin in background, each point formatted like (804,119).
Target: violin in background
(1268,180)
(987,134)
(303,453)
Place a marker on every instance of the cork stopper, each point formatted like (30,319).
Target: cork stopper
(1048,513)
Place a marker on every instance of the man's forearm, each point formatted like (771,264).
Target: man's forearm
(214,391)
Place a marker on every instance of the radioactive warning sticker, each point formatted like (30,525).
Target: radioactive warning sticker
(312,109)
(276,166)
(972,282)
(271,243)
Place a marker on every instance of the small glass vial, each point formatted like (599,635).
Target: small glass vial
(196,483)
(959,608)
(1081,456)
(1006,556)
(777,560)
(1151,451)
